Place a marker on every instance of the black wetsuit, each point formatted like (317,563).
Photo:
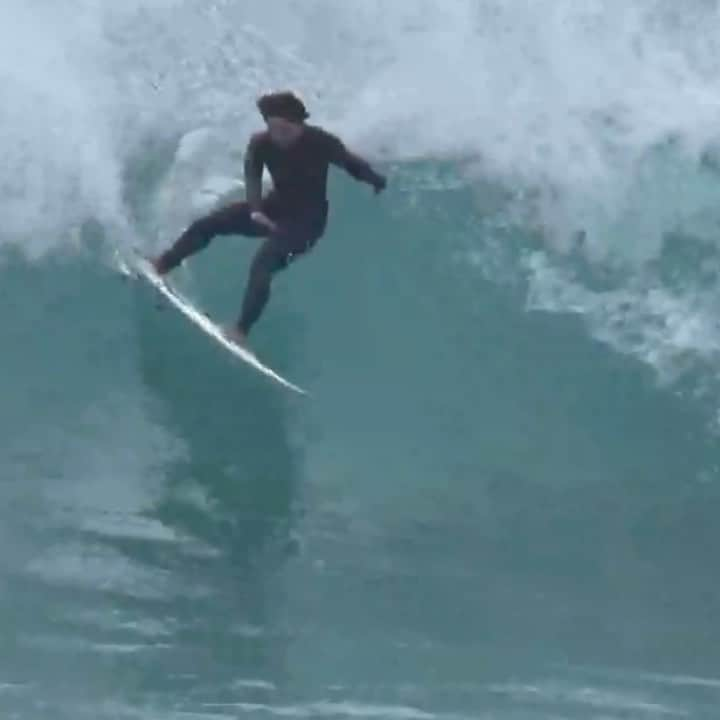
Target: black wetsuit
(297,204)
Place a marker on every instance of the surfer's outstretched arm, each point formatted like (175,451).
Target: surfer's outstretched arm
(356,166)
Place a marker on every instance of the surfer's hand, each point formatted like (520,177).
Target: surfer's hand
(379,184)
(262,219)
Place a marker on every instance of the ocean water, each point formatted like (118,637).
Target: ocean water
(501,499)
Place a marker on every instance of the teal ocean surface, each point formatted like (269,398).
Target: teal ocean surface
(500,500)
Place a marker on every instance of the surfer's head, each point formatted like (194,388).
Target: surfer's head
(284,114)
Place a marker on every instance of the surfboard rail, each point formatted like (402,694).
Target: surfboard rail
(139,266)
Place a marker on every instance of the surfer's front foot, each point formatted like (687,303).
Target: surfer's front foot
(160,265)
(235,335)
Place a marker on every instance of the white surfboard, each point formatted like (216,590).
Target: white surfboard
(139,267)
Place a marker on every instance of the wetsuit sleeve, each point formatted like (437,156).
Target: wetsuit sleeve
(356,166)
(253,167)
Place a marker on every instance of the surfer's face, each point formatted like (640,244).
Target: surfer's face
(283,132)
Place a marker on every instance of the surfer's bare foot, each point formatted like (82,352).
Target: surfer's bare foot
(234,334)
(160,265)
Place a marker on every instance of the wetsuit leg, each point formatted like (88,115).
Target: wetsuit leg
(292,240)
(271,257)
(230,220)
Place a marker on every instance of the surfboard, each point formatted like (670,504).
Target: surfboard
(139,267)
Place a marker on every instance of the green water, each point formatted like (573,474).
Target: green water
(480,510)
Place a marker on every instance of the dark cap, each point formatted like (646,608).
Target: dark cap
(284,105)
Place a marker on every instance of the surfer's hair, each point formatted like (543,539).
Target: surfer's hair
(284,105)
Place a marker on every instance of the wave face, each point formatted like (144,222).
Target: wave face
(501,499)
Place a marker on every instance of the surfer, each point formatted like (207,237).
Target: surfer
(292,216)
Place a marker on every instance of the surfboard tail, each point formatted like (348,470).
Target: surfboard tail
(141,268)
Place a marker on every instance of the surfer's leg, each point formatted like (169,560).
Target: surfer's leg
(230,220)
(292,239)
(269,259)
